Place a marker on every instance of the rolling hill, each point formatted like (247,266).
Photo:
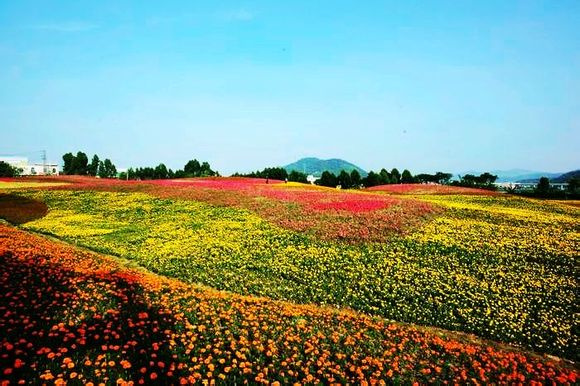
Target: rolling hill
(316,166)
(566,176)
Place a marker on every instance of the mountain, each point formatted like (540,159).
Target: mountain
(566,176)
(316,166)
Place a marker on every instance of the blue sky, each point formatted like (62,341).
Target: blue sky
(423,85)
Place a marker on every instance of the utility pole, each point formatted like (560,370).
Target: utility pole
(44,168)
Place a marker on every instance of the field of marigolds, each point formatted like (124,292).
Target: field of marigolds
(234,281)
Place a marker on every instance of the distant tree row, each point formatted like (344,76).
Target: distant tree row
(345,179)
(79,165)
(545,190)
(484,181)
(7,170)
(383,177)
(276,173)
(192,168)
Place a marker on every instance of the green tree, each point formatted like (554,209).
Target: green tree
(327,179)
(67,167)
(573,185)
(372,179)
(355,178)
(395,176)
(205,170)
(297,176)
(192,168)
(161,172)
(487,178)
(406,177)
(7,170)
(93,167)
(107,169)
(344,180)
(543,186)
(443,178)
(79,164)
(385,177)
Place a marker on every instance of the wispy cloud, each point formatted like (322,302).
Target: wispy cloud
(239,15)
(67,26)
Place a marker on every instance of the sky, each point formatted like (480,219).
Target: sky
(423,85)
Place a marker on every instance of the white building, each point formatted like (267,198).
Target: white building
(310,178)
(32,169)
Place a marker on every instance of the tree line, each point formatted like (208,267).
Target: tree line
(385,177)
(7,170)
(79,165)
(545,190)
(353,179)
(275,173)
(193,168)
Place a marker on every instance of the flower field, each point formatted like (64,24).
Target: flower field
(499,267)
(69,316)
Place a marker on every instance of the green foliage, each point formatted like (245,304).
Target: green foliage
(407,177)
(93,168)
(355,178)
(79,165)
(274,173)
(327,179)
(543,185)
(296,176)
(193,168)
(483,181)
(395,176)
(107,169)
(344,180)
(7,170)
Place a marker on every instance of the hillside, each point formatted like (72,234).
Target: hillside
(316,166)
(554,177)
(566,176)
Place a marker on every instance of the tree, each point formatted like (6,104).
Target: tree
(487,178)
(395,176)
(372,179)
(327,179)
(344,180)
(7,170)
(107,169)
(355,178)
(573,184)
(206,170)
(443,178)
(93,167)
(468,180)
(67,167)
(406,177)
(80,163)
(192,168)
(161,172)
(385,177)
(297,176)
(543,186)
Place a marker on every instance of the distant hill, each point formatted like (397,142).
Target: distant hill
(316,166)
(517,175)
(566,176)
